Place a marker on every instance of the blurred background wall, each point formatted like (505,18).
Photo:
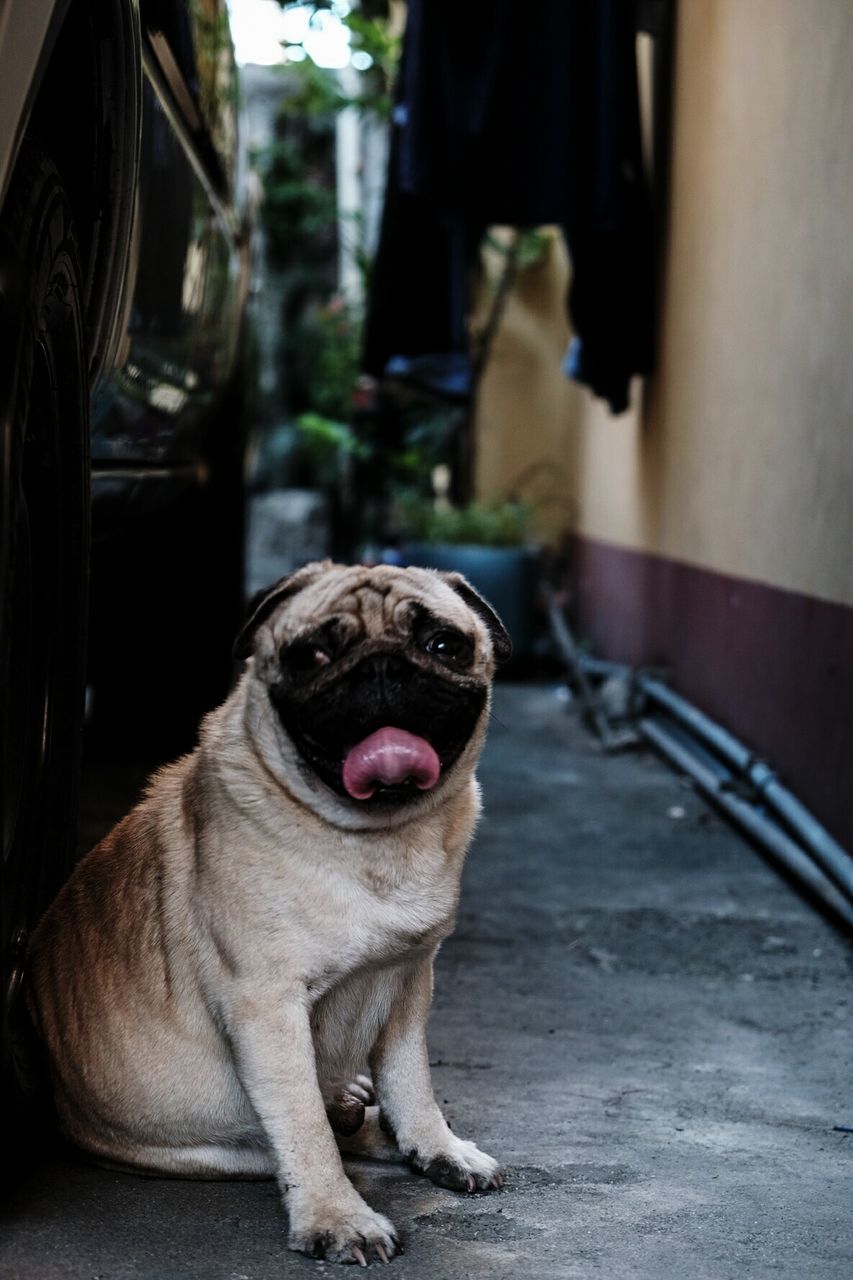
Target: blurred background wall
(714,521)
(528,412)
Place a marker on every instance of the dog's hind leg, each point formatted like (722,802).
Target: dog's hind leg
(371,1141)
(206,1161)
(346,1109)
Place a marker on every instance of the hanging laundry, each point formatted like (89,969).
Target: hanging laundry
(522,115)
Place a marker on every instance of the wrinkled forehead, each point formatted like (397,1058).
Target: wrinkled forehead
(373,602)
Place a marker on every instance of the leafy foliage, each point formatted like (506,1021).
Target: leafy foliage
(300,205)
(325,441)
(327,347)
(371,33)
(492,524)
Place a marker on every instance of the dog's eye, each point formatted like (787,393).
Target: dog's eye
(451,648)
(303,660)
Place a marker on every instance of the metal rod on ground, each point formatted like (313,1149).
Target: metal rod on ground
(611,739)
(601,667)
(777,844)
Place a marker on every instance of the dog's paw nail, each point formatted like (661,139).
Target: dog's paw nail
(380,1253)
(472,1182)
(365,1085)
(359,1256)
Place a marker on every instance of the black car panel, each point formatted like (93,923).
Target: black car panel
(183,307)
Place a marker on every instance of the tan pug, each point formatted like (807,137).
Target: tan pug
(260,930)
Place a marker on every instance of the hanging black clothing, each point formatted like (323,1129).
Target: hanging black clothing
(522,114)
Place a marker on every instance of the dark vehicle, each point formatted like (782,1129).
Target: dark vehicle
(122,286)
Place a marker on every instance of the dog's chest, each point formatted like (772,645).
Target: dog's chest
(382,924)
(383,910)
(366,970)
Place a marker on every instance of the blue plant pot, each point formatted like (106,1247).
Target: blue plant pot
(505,576)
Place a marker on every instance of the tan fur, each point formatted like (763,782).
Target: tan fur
(245,942)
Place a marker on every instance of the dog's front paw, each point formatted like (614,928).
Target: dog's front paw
(352,1234)
(461,1166)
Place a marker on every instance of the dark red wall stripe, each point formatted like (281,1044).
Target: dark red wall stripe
(775,667)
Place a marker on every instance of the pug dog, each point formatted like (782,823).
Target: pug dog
(247,957)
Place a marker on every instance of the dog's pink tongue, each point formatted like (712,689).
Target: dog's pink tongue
(388,757)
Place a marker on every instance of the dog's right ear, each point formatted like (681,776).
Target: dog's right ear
(265,601)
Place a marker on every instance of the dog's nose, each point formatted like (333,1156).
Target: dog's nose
(385,670)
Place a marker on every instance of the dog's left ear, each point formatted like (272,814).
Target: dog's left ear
(265,601)
(501,642)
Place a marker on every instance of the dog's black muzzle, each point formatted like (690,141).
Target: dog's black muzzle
(336,711)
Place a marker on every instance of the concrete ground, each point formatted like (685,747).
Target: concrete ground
(635,1014)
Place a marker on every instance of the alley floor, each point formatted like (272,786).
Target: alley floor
(635,1014)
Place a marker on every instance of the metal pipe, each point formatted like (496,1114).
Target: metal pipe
(818,860)
(722,741)
(601,667)
(834,860)
(612,739)
(777,844)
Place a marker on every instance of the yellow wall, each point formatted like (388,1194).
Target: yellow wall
(527,411)
(740,459)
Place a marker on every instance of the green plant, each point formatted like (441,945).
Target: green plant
(372,33)
(530,246)
(299,209)
(326,348)
(325,441)
(492,524)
